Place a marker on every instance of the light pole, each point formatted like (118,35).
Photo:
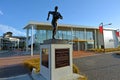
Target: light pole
(101,26)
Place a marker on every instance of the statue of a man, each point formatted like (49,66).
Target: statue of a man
(56,15)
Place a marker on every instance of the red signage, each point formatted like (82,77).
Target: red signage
(117,34)
(101,29)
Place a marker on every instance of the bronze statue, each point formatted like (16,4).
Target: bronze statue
(56,15)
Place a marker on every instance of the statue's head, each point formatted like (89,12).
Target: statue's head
(56,8)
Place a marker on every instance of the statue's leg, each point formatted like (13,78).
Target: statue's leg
(54,30)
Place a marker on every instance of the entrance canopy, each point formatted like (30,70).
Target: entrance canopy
(47,26)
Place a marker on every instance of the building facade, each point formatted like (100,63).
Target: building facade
(9,42)
(82,37)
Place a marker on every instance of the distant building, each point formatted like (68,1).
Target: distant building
(82,37)
(9,42)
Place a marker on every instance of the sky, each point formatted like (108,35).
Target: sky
(16,14)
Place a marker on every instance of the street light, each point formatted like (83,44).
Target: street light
(101,26)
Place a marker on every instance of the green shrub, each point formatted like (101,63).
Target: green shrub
(106,50)
(35,63)
(83,78)
(75,69)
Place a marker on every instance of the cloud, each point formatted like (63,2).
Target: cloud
(5,28)
(1,13)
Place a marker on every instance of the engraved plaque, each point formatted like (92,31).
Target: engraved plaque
(45,57)
(62,57)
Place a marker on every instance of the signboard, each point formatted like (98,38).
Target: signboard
(45,57)
(62,57)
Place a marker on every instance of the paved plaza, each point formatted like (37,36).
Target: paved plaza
(95,67)
(100,67)
(15,72)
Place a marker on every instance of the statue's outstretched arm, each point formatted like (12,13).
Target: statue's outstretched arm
(61,16)
(49,15)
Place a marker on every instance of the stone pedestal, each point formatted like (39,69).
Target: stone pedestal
(56,59)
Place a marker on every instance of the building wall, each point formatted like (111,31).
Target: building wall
(86,37)
(110,39)
(42,35)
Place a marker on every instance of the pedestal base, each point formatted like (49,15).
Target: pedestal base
(74,76)
(56,61)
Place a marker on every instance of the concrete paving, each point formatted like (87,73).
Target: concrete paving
(20,77)
(100,67)
(15,72)
(11,65)
(96,67)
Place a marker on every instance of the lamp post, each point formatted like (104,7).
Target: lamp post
(101,27)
